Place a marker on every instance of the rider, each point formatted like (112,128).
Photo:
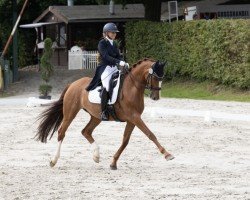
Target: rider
(110,58)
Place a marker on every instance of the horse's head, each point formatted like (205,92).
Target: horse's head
(154,79)
(148,74)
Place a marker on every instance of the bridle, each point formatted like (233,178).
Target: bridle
(150,76)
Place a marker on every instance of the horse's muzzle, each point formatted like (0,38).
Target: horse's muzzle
(154,96)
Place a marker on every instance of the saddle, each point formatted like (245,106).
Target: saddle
(114,88)
(94,95)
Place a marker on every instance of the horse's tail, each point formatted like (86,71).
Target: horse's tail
(50,119)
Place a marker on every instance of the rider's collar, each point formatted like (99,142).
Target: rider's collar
(111,41)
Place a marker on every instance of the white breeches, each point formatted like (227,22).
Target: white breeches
(106,75)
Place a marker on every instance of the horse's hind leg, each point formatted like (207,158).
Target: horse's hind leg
(126,136)
(67,119)
(87,133)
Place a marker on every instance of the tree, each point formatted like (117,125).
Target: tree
(36,7)
(46,69)
(152,10)
(152,7)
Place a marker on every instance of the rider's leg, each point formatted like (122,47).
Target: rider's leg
(105,77)
(104,105)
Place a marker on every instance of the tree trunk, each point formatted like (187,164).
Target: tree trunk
(152,10)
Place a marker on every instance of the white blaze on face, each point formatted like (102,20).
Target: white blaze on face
(160,82)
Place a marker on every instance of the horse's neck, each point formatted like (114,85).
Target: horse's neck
(134,84)
(138,76)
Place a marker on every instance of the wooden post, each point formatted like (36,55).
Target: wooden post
(14,29)
(15,44)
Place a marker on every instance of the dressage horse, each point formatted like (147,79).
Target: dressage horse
(145,74)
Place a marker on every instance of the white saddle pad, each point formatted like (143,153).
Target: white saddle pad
(94,95)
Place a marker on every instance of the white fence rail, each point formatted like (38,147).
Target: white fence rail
(90,60)
(79,59)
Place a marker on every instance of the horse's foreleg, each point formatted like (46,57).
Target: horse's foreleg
(126,136)
(87,133)
(142,126)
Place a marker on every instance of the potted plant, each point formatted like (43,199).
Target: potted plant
(46,70)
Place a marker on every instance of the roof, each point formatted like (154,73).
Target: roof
(231,2)
(92,13)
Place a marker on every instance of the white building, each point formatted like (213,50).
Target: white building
(208,9)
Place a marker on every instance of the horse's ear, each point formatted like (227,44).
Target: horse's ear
(158,68)
(155,65)
(163,63)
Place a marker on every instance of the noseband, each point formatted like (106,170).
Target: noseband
(152,75)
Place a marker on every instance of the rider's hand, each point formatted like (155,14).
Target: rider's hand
(122,63)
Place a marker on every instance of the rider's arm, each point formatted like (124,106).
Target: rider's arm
(102,48)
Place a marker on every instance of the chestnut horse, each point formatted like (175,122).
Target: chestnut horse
(129,106)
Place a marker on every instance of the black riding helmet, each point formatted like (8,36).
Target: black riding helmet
(110,27)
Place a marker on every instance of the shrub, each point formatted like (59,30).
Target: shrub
(215,49)
(46,68)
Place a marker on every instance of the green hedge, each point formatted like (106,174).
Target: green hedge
(215,49)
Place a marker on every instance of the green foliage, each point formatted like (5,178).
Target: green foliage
(26,55)
(45,89)
(215,50)
(46,67)
(26,37)
(152,40)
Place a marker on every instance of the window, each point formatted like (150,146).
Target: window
(233,14)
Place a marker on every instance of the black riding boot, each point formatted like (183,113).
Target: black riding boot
(104,105)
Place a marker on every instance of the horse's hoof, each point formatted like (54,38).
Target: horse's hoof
(52,164)
(169,157)
(96,159)
(113,167)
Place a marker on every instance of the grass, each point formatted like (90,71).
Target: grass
(204,91)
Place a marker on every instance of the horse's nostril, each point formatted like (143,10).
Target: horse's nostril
(156,98)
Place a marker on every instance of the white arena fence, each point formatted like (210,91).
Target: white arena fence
(79,59)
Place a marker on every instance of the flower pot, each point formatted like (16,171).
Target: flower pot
(45,97)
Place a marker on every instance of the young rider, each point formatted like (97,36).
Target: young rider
(110,58)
